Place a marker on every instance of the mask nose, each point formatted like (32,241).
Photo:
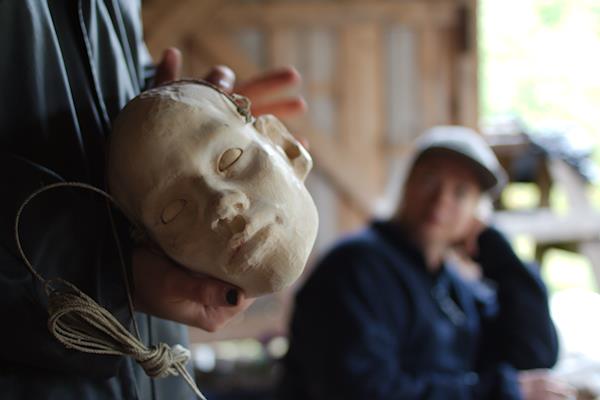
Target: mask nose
(231,205)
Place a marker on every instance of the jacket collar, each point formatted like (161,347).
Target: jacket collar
(399,237)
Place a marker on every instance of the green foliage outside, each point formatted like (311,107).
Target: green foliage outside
(540,61)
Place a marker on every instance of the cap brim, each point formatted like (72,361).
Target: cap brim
(487,179)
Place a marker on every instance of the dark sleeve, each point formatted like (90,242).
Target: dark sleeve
(344,345)
(521,331)
(65,233)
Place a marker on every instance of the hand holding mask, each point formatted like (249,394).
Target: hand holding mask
(221,193)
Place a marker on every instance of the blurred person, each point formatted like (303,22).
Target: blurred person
(387,314)
(69,67)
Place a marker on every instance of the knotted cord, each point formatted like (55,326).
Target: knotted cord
(80,323)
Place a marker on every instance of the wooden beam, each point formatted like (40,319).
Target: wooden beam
(412,12)
(338,166)
(221,49)
(547,227)
(467,65)
(281,46)
(360,122)
(153,10)
(564,176)
(166,22)
(591,250)
(427,81)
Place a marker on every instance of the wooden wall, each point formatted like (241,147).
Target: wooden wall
(376,74)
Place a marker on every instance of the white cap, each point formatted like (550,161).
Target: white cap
(469,144)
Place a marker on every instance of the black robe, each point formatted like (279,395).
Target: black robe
(67,67)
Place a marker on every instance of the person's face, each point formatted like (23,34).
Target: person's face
(228,197)
(440,199)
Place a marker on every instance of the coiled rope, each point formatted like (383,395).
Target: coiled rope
(80,323)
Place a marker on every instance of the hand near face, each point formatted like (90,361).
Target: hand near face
(471,237)
(541,385)
(168,291)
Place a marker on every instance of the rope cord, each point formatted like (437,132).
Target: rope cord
(80,323)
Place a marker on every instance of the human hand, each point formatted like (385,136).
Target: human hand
(260,89)
(466,238)
(539,384)
(471,238)
(168,291)
(169,67)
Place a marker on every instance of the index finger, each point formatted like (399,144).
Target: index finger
(269,83)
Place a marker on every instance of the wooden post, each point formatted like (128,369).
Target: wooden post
(361,109)
(468,66)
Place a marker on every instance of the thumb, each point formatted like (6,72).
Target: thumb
(169,67)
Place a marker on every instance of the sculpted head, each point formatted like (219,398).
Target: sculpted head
(221,193)
(453,166)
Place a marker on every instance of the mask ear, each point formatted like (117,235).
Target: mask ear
(271,127)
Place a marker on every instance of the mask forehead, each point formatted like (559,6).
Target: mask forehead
(195,95)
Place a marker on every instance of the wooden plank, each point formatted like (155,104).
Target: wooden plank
(210,23)
(361,95)
(338,167)
(360,122)
(427,75)
(591,250)
(329,13)
(468,68)
(154,10)
(221,49)
(571,183)
(282,49)
(195,61)
(281,46)
(402,83)
(434,93)
(165,26)
(547,227)
(445,77)
(450,36)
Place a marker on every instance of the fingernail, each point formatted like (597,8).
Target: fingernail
(224,84)
(232,297)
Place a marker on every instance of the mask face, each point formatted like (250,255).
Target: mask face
(220,195)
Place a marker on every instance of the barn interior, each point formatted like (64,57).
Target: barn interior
(375,75)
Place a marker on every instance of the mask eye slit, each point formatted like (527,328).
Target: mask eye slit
(172,210)
(228,158)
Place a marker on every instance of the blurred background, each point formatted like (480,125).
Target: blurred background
(525,73)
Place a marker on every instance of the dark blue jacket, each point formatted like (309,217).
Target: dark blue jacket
(372,323)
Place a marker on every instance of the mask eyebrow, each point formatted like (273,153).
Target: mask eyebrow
(208,127)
